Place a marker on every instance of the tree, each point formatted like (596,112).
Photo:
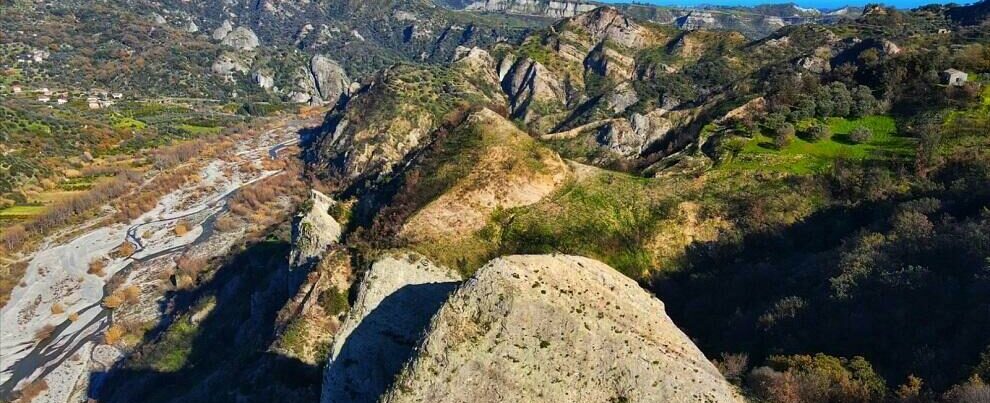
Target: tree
(863,102)
(818,132)
(841,98)
(783,135)
(860,135)
(774,121)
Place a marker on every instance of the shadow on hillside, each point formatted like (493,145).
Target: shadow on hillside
(774,292)
(376,350)
(225,357)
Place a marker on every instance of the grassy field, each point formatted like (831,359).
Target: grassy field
(127,123)
(804,157)
(199,130)
(20,212)
(609,217)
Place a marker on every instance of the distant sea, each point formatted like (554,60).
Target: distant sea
(820,4)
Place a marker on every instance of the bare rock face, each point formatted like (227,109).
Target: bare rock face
(531,86)
(478,63)
(552,8)
(222,31)
(314,230)
(697,20)
(395,301)
(607,23)
(554,328)
(330,79)
(265,80)
(631,137)
(322,82)
(241,38)
(229,62)
(607,62)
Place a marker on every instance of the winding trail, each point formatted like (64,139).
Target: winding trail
(58,274)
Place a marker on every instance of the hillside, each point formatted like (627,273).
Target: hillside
(727,149)
(244,201)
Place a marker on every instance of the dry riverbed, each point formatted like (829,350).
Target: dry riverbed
(53,329)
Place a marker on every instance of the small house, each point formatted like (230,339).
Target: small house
(44,99)
(62,101)
(954,77)
(117,95)
(16,89)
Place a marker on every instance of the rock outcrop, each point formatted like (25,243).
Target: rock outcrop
(697,20)
(607,23)
(552,8)
(530,86)
(222,31)
(314,230)
(229,62)
(395,301)
(241,38)
(264,80)
(322,82)
(554,328)
(330,79)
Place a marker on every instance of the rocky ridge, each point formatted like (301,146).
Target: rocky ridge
(314,230)
(395,300)
(549,328)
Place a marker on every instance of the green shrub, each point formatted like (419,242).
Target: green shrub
(860,135)
(818,132)
(333,301)
(783,136)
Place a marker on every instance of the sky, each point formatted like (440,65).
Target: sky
(825,4)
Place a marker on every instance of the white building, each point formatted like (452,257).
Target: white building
(954,77)
(44,99)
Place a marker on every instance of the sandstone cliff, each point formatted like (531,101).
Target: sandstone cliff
(555,328)
(314,230)
(395,301)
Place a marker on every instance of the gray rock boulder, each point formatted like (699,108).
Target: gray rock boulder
(330,80)
(229,62)
(314,230)
(555,328)
(263,79)
(158,19)
(241,38)
(322,82)
(222,31)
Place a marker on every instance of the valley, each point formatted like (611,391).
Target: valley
(54,323)
(456,201)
